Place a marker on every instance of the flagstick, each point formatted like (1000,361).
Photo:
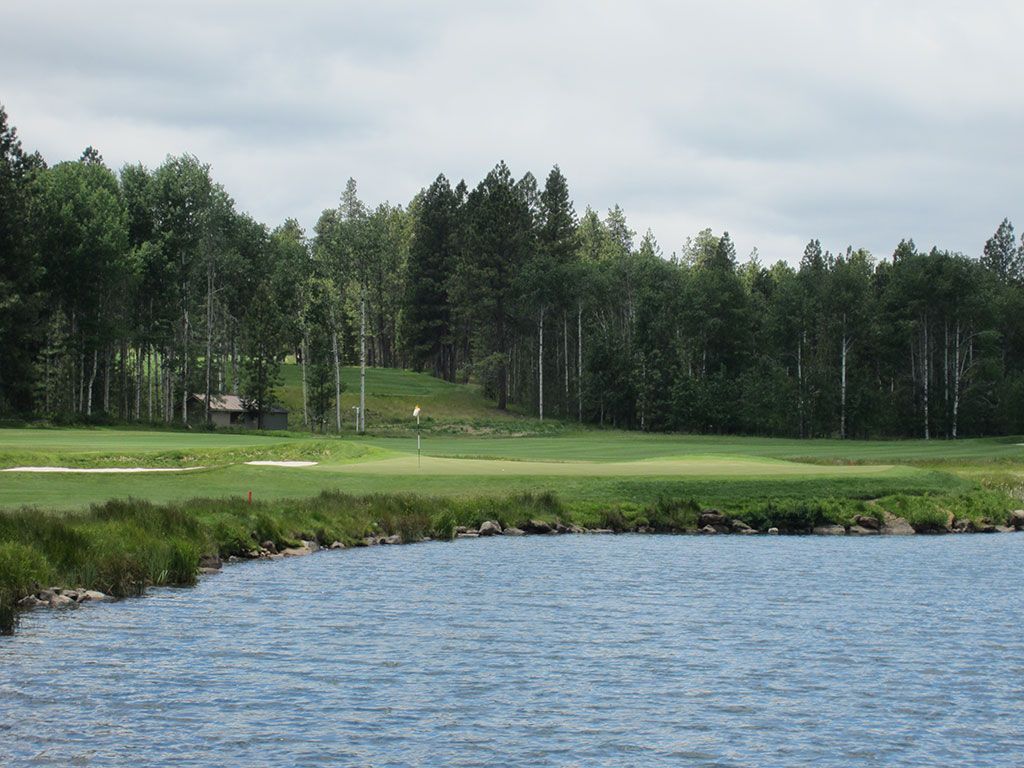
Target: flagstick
(416,413)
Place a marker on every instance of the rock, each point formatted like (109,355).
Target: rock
(738,526)
(896,526)
(369,541)
(828,530)
(60,601)
(860,530)
(748,532)
(393,539)
(980,527)
(211,562)
(461,529)
(307,548)
(576,529)
(960,526)
(709,530)
(1016,519)
(337,545)
(866,521)
(561,527)
(312,545)
(30,601)
(70,593)
(773,531)
(44,595)
(490,528)
(513,532)
(91,596)
(537,526)
(603,531)
(1005,529)
(712,517)
(270,546)
(207,572)
(467,535)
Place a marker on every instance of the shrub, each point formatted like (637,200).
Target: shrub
(22,569)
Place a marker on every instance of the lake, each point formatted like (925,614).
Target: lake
(565,651)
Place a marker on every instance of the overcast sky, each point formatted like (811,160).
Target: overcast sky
(855,122)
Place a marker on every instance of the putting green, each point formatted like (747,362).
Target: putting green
(690,466)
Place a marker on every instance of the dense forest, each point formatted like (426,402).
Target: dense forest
(122,293)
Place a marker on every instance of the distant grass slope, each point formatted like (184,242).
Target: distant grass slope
(391,395)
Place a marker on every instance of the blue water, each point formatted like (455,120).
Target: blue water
(567,651)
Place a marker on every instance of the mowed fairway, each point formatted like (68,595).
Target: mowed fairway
(582,467)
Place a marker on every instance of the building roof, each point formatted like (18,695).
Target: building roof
(232,404)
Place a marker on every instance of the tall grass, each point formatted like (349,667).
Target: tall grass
(122,547)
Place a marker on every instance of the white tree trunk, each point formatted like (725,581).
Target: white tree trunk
(305,396)
(106,381)
(925,371)
(540,367)
(579,361)
(92,381)
(956,380)
(842,386)
(209,343)
(337,378)
(362,361)
(337,367)
(800,380)
(184,371)
(565,358)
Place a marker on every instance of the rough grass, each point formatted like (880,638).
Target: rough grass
(932,512)
(391,394)
(121,547)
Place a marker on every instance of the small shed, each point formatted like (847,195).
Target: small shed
(230,411)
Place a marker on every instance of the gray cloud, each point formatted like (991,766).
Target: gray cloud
(856,123)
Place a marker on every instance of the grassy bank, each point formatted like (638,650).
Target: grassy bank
(122,547)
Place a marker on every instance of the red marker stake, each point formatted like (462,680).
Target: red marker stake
(250,497)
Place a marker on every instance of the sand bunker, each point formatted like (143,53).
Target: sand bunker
(282,463)
(100,470)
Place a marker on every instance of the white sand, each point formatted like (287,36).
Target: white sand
(282,463)
(101,470)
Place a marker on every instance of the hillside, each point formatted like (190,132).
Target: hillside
(391,395)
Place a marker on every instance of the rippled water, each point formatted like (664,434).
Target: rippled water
(572,650)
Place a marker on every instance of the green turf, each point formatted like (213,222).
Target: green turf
(588,467)
(596,445)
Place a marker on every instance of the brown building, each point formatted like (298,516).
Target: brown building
(230,411)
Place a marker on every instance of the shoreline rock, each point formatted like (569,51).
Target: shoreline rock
(490,528)
(828,530)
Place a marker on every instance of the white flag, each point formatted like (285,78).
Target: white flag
(416,411)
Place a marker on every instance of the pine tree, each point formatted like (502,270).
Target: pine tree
(1001,254)
(427,321)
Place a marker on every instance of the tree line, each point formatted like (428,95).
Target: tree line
(122,294)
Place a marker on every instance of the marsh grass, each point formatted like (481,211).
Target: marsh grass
(931,512)
(122,547)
